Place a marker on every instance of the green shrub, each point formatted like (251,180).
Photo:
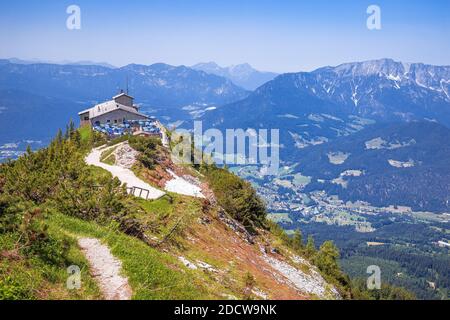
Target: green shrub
(327,260)
(58,177)
(147,146)
(147,160)
(12,290)
(143,144)
(236,196)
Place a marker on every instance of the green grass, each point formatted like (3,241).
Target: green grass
(85,133)
(162,215)
(152,274)
(160,207)
(33,276)
(108,156)
(111,160)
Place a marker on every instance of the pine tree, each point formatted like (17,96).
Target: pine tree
(310,247)
(59,137)
(326,259)
(71,127)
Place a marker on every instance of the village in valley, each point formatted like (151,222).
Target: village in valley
(289,204)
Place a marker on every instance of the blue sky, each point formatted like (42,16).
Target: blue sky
(277,35)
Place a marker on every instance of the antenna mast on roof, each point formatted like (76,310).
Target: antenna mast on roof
(127,85)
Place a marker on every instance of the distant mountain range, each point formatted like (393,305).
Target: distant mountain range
(82,62)
(330,105)
(318,114)
(242,74)
(36,99)
(157,84)
(313,107)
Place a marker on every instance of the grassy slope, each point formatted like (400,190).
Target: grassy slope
(202,238)
(34,277)
(187,227)
(199,236)
(152,274)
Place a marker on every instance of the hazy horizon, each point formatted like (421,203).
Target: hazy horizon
(44,61)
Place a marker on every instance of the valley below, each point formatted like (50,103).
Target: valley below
(409,246)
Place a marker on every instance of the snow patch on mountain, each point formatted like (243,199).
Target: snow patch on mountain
(402,164)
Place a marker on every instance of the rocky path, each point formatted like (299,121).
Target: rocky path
(123,174)
(105,269)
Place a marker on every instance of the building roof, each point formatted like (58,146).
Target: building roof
(123,94)
(107,107)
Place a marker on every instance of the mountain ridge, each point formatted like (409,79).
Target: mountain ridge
(243,75)
(315,109)
(158,83)
(345,91)
(162,90)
